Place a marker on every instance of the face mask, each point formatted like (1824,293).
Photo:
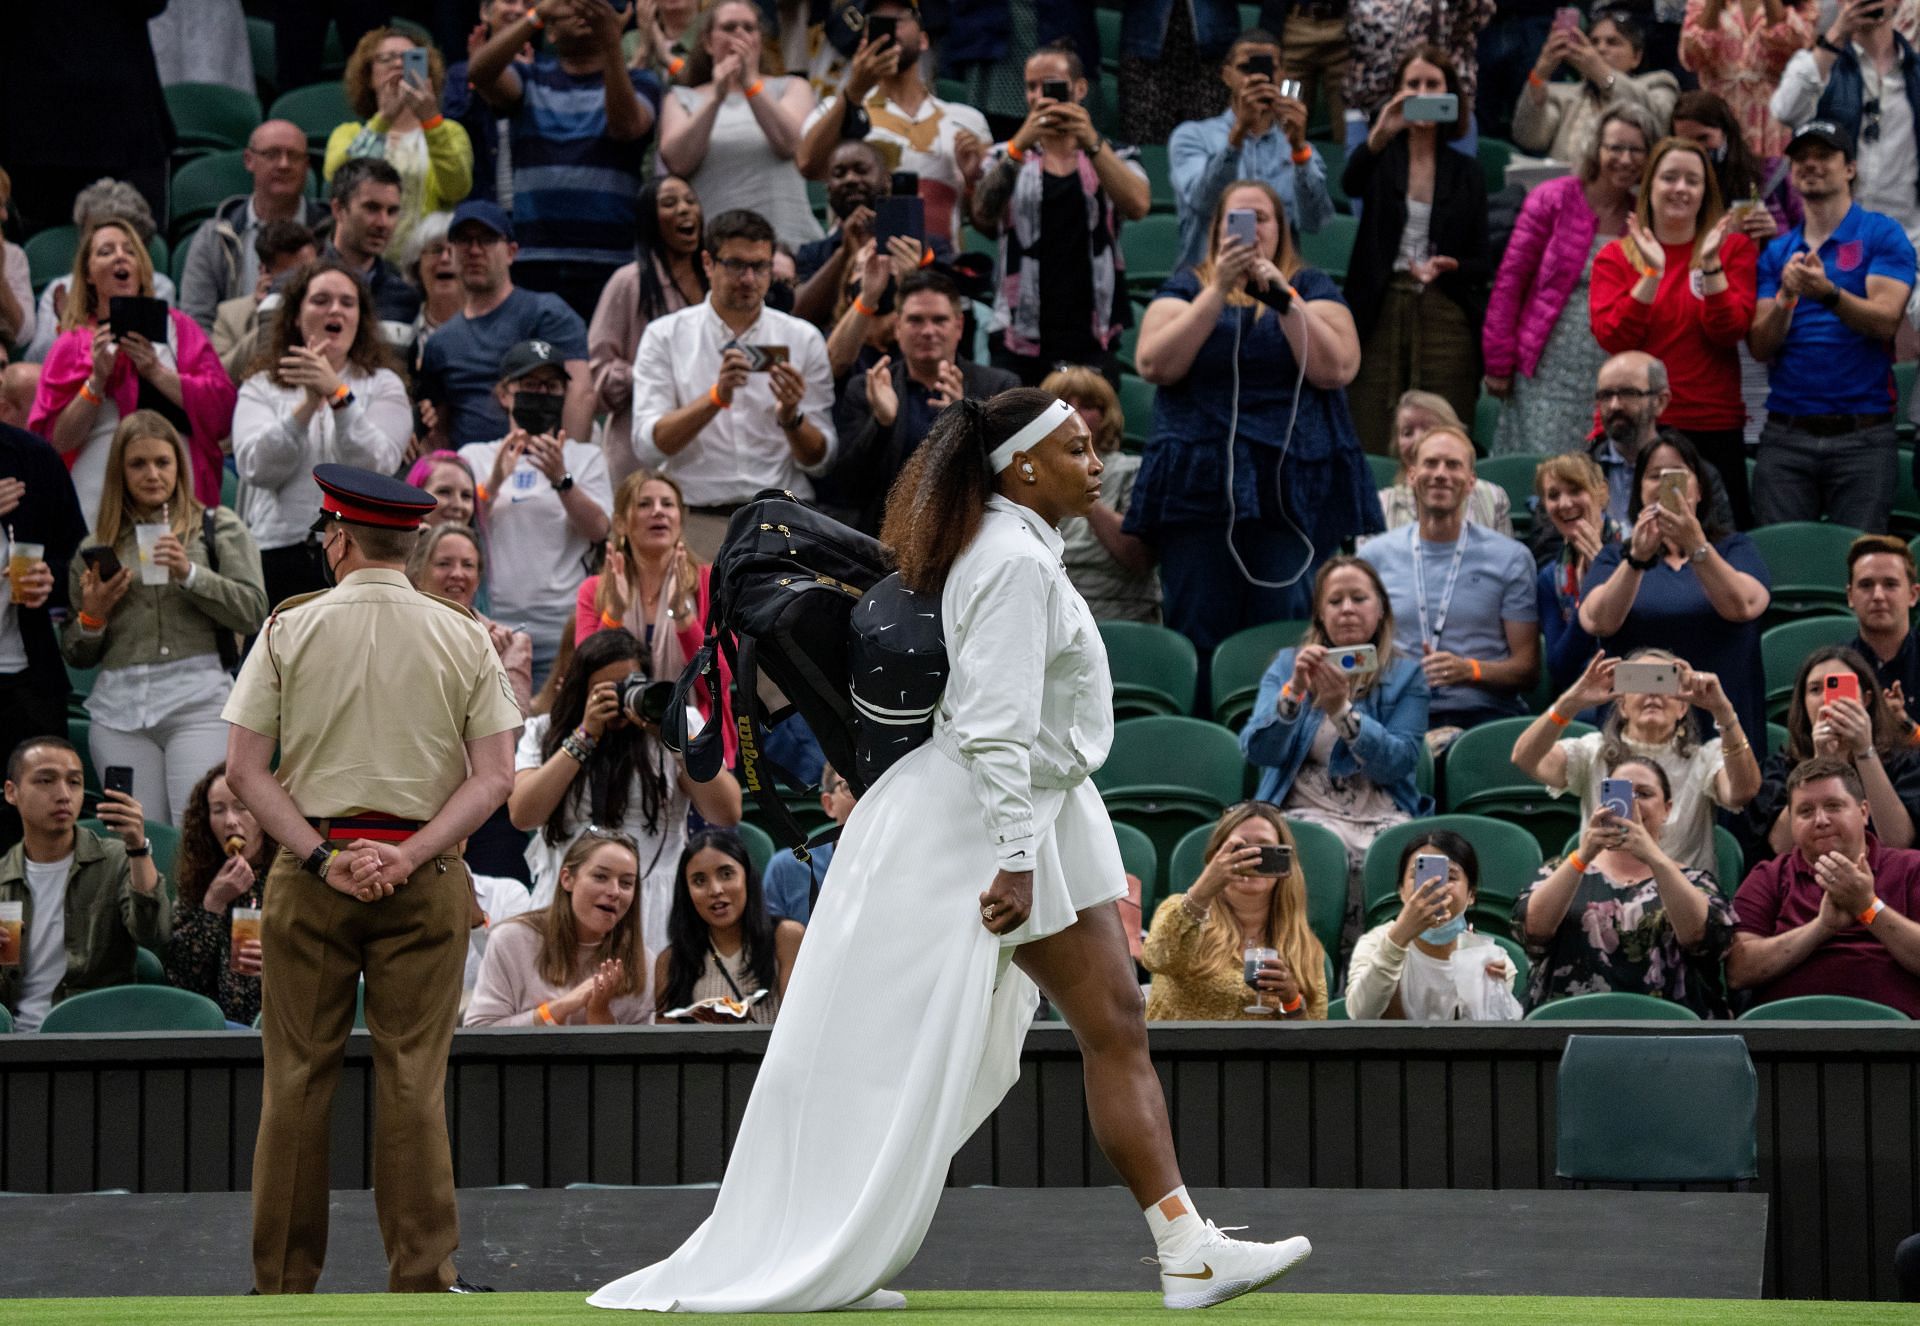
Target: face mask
(1447,933)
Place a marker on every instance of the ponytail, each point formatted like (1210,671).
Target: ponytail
(935,506)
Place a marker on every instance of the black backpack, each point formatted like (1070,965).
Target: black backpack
(782,591)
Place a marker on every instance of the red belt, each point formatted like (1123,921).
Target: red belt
(371,825)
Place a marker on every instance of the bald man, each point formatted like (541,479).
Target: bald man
(17,385)
(222,263)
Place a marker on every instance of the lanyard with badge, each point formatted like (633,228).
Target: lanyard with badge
(1432,638)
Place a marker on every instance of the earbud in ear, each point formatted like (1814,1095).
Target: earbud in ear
(1027,470)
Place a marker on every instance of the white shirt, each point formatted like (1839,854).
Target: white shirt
(1431,989)
(502,898)
(1029,698)
(659,852)
(535,561)
(1887,166)
(275,456)
(140,697)
(941,187)
(743,449)
(1688,837)
(45,961)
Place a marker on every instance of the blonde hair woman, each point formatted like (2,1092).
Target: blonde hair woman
(1113,570)
(155,705)
(1196,944)
(91,379)
(1573,495)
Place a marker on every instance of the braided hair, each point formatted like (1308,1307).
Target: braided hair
(935,506)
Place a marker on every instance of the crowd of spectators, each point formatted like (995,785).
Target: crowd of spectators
(614,271)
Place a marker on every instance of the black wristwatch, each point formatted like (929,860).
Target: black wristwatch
(144,849)
(1825,45)
(318,860)
(563,483)
(1830,300)
(1639,565)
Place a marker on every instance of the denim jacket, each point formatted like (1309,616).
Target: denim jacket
(1843,101)
(1216,23)
(1393,723)
(106,918)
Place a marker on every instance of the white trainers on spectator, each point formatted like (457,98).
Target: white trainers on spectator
(880,1300)
(1222,1268)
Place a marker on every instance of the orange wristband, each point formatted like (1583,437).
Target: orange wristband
(1534,79)
(91,623)
(1474,663)
(430,125)
(713,394)
(86,394)
(926,256)
(675,65)
(1294,1007)
(533,17)
(481,489)
(758,83)
(1553,717)
(860,307)
(1573,859)
(1014,154)
(609,621)
(1303,156)
(1872,914)
(545,1014)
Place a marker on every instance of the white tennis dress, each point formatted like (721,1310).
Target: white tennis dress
(902,1024)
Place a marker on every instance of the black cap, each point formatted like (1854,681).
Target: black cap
(530,357)
(487,214)
(362,497)
(1822,131)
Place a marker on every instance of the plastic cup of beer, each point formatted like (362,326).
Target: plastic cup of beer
(246,929)
(23,558)
(1264,1003)
(151,572)
(13,915)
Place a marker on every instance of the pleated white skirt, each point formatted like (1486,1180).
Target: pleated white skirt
(899,1034)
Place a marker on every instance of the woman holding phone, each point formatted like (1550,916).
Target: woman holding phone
(393,83)
(1839,710)
(1197,947)
(1678,576)
(1417,280)
(1621,915)
(1425,965)
(1562,120)
(1650,720)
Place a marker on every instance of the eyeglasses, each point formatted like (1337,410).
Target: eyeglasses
(1871,109)
(389,57)
(278,155)
(741,267)
(1621,150)
(1626,394)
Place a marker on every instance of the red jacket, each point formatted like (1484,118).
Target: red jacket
(1696,337)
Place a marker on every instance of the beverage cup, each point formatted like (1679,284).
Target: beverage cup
(20,561)
(12,917)
(246,928)
(151,572)
(1264,1003)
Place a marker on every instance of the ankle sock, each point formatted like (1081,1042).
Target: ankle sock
(1177,1227)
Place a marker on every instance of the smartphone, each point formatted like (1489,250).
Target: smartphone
(881,28)
(104,561)
(1261,64)
(1290,88)
(1566,19)
(904,183)
(1056,89)
(1428,867)
(413,63)
(117,778)
(762,358)
(1432,108)
(1616,795)
(898,216)
(537,412)
(1244,226)
(1361,660)
(138,313)
(1841,686)
(1650,678)
(1673,490)
(1275,859)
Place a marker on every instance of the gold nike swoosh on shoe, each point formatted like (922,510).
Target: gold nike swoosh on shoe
(1204,1273)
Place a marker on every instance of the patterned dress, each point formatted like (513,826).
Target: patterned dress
(1740,59)
(1381,31)
(197,955)
(1616,938)
(1551,412)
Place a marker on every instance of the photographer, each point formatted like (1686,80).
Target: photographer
(545,500)
(588,765)
(1405,968)
(1562,120)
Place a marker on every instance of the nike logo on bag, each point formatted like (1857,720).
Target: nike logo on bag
(1204,1273)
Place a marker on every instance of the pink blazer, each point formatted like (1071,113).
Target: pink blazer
(205,388)
(1543,262)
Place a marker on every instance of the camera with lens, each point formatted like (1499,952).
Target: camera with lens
(642,699)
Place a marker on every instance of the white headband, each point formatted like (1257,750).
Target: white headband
(1043,423)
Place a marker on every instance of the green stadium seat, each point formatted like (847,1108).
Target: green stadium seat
(1478,778)
(50,254)
(1166,775)
(1785,647)
(264,46)
(1903,378)
(77,729)
(760,846)
(1386,470)
(1655,1109)
(1823,1008)
(200,186)
(1904,519)
(177,268)
(1103,103)
(1509,859)
(1107,26)
(1136,410)
(148,969)
(1337,1010)
(1323,860)
(1486,422)
(1776,738)
(1808,562)
(1329,248)
(317,108)
(1152,249)
(161,253)
(1522,966)
(210,116)
(1514,474)
(134,1008)
(1129,338)
(1494,156)
(229,486)
(1142,861)
(1335,157)
(1159,168)
(6,1021)
(1612,1007)
(1154,669)
(1240,661)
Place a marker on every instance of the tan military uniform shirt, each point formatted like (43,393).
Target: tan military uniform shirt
(372,689)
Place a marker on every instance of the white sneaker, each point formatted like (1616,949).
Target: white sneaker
(880,1300)
(1223,1268)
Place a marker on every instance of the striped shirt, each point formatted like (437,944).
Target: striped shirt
(573,186)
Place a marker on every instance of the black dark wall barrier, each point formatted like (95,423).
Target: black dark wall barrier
(1335,1105)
